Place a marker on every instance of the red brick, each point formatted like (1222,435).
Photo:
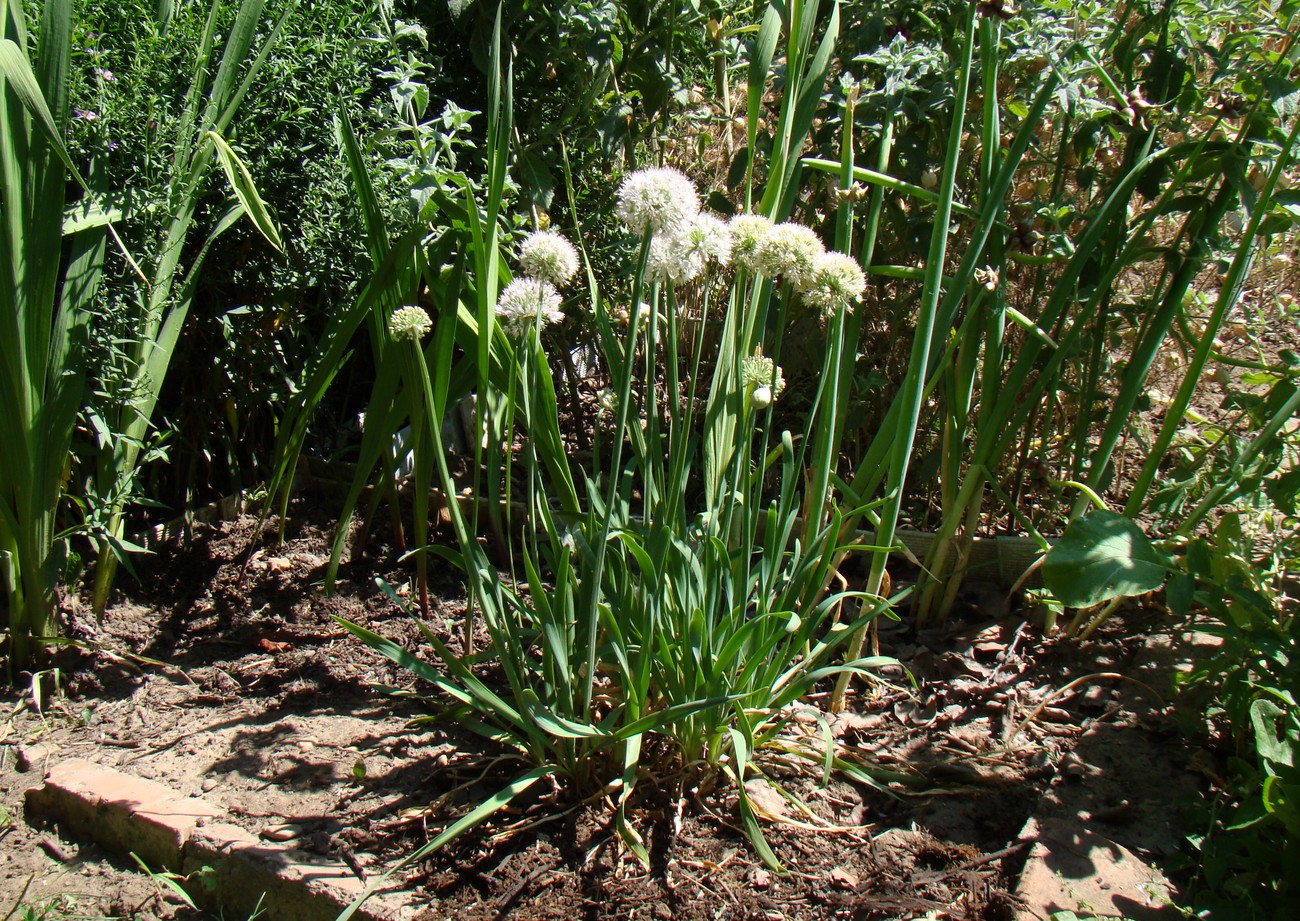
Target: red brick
(228,868)
(125,813)
(234,872)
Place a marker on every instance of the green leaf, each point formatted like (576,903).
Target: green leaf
(98,209)
(535,178)
(1277,737)
(721,204)
(163,878)
(241,181)
(1100,557)
(1283,490)
(1029,326)
(1179,593)
(17,72)
(1284,95)
(748,819)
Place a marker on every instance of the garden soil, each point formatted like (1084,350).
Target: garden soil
(222,673)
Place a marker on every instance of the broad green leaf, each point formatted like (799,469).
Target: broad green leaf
(87,214)
(1277,736)
(1180,592)
(535,177)
(1284,95)
(100,209)
(1282,799)
(164,10)
(1100,557)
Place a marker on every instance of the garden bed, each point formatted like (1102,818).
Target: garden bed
(265,710)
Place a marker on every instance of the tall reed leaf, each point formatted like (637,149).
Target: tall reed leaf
(210,106)
(42,326)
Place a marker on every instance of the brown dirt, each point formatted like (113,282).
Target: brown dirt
(264,706)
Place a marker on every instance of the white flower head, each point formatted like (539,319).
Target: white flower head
(409,323)
(837,282)
(547,256)
(760,373)
(707,237)
(659,200)
(668,262)
(684,255)
(790,251)
(747,233)
(525,301)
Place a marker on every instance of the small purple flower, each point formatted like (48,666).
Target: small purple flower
(105,74)
(85,115)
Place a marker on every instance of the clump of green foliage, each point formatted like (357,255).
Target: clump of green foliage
(1035,211)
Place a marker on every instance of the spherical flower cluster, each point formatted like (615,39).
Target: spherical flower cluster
(762,379)
(664,264)
(790,251)
(707,238)
(837,281)
(525,301)
(659,200)
(547,256)
(409,323)
(683,255)
(747,234)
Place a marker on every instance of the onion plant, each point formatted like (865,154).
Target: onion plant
(662,608)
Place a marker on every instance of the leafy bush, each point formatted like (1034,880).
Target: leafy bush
(1248,856)
(256,312)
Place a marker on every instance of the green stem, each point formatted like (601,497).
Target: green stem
(1229,294)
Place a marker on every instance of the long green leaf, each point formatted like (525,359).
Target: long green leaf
(17,71)
(238,43)
(760,62)
(245,189)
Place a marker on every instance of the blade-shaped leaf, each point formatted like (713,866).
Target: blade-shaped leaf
(241,181)
(17,71)
(477,816)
